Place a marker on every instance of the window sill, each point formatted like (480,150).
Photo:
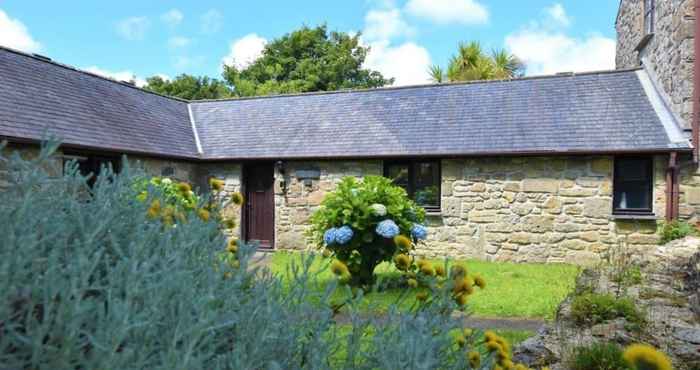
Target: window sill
(644,41)
(638,217)
(433,213)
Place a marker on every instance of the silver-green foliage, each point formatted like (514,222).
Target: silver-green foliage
(87,281)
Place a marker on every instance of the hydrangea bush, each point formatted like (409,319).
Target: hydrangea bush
(363,222)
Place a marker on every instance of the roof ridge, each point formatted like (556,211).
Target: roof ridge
(48,60)
(420,86)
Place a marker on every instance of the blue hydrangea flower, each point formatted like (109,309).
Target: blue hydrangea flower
(329,237)
(343,234)
(419,232)
(387,229)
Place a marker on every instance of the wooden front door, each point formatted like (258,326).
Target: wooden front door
(259,213)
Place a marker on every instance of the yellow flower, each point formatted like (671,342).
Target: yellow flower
(339,268)
(521,367)
(168,220)
(326,253)
(461,299)
(645,357)
(237,198)
(142,196)
(463,285)
(413,283)
(458,271)
(229,223)
(227,275)
(427,268)
(480,282)
(422,296)
(507,364)
(154,209)
(203,214)
(474,359)
(216,184)
(180,217)
(440,270)
(492,346)
(460,340)
(403,242)
(402,261)
(468,332)
(490,336)
(184,188)
(232,246)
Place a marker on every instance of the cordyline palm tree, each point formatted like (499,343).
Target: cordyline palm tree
(472,63)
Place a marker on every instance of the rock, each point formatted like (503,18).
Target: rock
(540,185)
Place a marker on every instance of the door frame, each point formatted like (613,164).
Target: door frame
(245,169)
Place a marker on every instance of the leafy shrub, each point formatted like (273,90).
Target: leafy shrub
(675,230)
(366,222)
(177,194)
(594,308)
(599,356)
(89,281)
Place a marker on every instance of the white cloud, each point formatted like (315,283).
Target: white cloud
(14,34)
(385,25)
(173,17)
(133,28)
(245,51)
(178,42)
(546,52)
(211,21)
(117,75)
(449,11)
(558,15)
(408,63)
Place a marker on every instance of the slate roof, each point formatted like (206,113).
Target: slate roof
(39,97)
(602,112)
(593,112)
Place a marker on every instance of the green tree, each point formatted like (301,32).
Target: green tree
(189,87)
(472,63)
(307,59)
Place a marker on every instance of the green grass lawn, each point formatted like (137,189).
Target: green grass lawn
(513,290)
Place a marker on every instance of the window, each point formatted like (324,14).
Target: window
(633,186)
(421,179)
(649,9)
(91,165)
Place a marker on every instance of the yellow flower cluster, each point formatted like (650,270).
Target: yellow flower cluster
(402,262)
(340,269)
(645,357)
(403,242)
(203,214)
(426,268)
(216,184)
(237,198)
(154,210)
(501,350)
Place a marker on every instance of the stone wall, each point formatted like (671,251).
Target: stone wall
(231,174)
(159,167)
(668,55)
(53,167)
(524,209)
(534,210)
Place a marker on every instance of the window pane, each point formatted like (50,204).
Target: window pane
(633,185)
(427,184)
(398,173)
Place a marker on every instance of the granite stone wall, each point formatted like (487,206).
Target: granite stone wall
(668,55)
(524,209)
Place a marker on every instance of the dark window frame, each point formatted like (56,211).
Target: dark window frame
(617,185)
(649,17)
(92,162)
(412,165)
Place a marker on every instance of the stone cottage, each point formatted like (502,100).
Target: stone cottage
(541,169)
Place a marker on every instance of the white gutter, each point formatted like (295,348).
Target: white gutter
(194,130)
(666,116)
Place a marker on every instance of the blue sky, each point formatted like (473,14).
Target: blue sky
(149,37)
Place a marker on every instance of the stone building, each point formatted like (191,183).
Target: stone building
(543,169)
